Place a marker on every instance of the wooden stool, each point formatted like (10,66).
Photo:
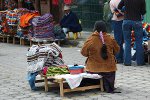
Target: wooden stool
(75,35)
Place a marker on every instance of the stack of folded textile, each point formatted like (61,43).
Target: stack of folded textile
(43,26)
(11,17)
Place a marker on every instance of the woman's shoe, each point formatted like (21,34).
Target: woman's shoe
(141,64)
(127,64)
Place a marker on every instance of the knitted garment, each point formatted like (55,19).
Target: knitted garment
(11,17)
(46,18)
(45,55)
(10,3)
(22,11)
(43,26)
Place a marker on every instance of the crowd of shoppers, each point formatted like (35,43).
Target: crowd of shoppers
(127,16)
(133,16)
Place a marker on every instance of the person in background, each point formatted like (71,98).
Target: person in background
(100,49)
(70,21)
(134,12)
(117,21)
(28,4)
(107,15)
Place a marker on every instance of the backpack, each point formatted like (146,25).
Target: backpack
(107,15)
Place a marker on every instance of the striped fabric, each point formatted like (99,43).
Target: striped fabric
(43,26)
(45,55)
(11,17)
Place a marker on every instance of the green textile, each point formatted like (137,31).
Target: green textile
(147,17)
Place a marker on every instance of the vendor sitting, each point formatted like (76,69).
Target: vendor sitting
(70,21)
(100,49)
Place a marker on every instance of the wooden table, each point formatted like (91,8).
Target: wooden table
(63,90)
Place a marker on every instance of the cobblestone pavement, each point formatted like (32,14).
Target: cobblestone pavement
(133,81)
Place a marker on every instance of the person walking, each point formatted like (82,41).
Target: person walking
(100,49)
(134,12)
(117,21)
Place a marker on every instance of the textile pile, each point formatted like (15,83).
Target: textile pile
(43,26)
(45,55)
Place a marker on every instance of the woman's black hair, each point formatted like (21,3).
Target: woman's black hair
(104,52)
(100,26)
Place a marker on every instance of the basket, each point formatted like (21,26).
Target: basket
(76,69)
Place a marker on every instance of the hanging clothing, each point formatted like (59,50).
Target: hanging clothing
(55,2)
(67,2)
(10,4)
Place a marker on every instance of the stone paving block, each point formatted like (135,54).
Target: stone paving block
(134,81)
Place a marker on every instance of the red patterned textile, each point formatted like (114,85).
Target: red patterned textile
(67,2)
(55,2)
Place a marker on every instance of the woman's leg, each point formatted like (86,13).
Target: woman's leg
(109,80)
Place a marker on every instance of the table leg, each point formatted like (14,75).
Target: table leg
(46,84)
(7,39)
(61,88)
(13,40)
(101,85)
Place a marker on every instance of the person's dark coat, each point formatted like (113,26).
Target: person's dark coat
(71,21)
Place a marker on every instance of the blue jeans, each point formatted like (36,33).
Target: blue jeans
(128,25)
(118,35)
(31,80)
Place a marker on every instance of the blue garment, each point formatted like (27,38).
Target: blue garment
(71,21)
(128,25)
(31,80)
(118,35)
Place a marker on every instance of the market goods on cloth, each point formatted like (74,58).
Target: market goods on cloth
(75,80)
(40,56)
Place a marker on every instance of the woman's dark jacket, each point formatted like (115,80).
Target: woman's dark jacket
(71,21)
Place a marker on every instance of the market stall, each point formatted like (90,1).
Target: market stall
(62,80)
(29,25)
(47,62)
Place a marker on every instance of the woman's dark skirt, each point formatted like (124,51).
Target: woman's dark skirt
(108,81)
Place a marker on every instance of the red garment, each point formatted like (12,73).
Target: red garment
(24,19)
(67,2)
(60,55)
(55,2)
